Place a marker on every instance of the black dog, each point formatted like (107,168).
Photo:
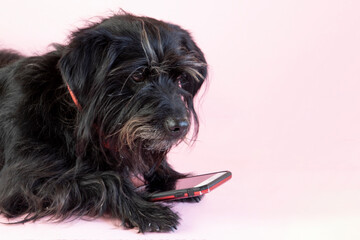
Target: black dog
(77,123)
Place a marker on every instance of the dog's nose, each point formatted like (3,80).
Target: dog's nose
(176,126)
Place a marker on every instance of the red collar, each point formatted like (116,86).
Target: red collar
(105,143)
(74,97)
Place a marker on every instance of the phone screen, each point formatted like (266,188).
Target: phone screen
(196,181)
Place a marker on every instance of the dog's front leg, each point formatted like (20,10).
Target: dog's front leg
(124,203)
(162,178)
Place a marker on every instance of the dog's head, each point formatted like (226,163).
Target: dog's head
(135,79)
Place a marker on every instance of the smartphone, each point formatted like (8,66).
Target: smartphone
(193,186)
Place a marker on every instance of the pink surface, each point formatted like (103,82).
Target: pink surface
(282,112)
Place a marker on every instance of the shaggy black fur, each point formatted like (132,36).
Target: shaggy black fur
(134,79)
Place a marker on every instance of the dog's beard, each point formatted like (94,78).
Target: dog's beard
(143,138)
(139,132)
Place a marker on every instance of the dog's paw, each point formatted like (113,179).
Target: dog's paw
(153,218)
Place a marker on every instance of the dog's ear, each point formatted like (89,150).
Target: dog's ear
(86,61)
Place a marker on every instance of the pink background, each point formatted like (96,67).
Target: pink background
(281,111)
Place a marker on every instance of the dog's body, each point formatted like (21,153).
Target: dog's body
(78,122)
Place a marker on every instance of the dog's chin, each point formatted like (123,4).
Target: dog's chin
(162,145)
(156,140)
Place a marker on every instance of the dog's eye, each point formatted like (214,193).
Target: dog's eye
(137,76)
